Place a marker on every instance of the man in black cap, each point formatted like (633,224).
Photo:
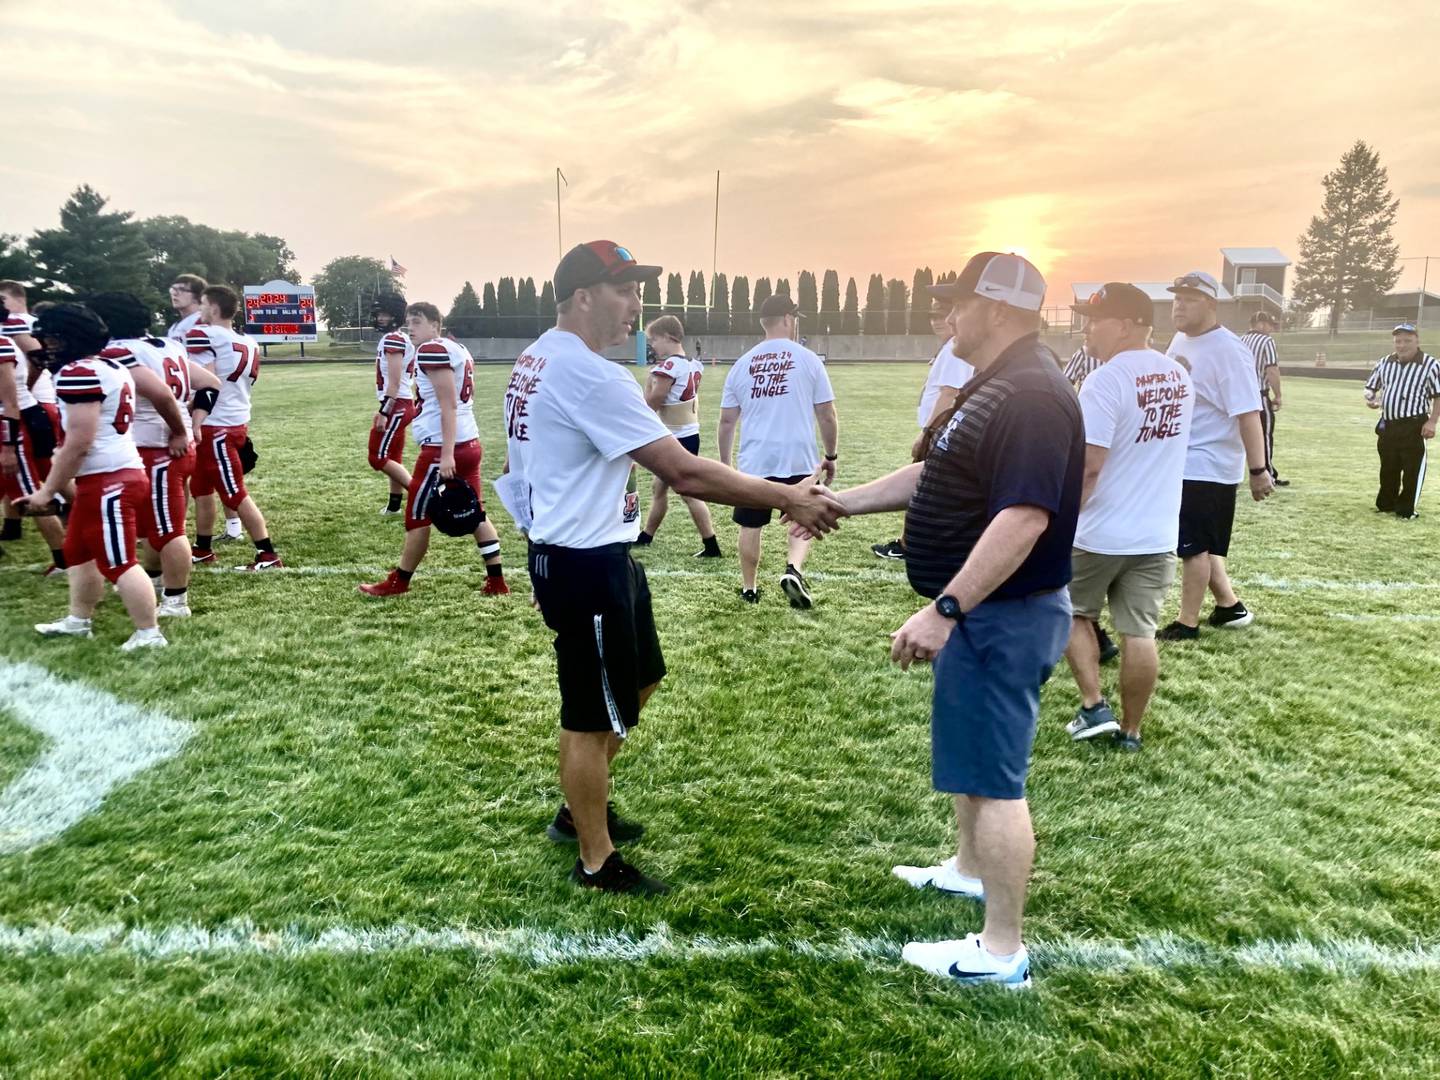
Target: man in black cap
(990,517)
(575,422)
(778,391)
(1405,387)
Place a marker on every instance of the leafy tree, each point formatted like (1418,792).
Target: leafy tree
(489,312)
(675,296)
(874,319)
(720,306)
(763,292)
(829,318)
(94,250)
(695,318)
(179,246)
(896,307)
(507,307)
(527,306)
(920,301)
(1348,256)
(740,305)
(466,305)
(807,301)
(547,306)
(850,316)
(345,288)
(16,263)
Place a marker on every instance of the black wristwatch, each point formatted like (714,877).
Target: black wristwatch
(831,457)
(1257,472)
(949,607)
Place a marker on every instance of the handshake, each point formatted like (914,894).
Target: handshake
(812,510)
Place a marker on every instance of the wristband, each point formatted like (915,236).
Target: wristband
(1260,471)
(9,431)
(205,400)
(831,457)
(387,406)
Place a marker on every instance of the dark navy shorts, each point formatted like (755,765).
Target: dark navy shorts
(691,443)
(987,693)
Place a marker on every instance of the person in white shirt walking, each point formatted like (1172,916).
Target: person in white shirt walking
(673,391)
(1225,434)
(1136,404)
(778,392)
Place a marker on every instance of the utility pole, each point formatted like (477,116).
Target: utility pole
(715,246)
(1424,281)
(559,236)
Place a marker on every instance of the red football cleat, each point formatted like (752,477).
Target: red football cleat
(53,571)
(495,586)
(202,558)
(268,561)
(391,586)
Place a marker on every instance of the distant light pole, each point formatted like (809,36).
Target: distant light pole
(559,236)
(1424,280)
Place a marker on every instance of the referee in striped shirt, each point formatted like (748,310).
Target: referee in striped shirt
(1080,367)
(1405,387)
(1261,343)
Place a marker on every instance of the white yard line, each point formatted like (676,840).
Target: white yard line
(94,742)
(542,948)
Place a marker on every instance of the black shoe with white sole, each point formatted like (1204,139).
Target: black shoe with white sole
(1232,617)
(562,829)
(893,550)
(750,596)
(618,876)
(1178,631)
(795,587)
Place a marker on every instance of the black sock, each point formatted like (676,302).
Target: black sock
(58,558)
(494,570)
(10,530)
(202,542)
(394,503)
(174,592)
(265,547)
(404,575)
(711,544)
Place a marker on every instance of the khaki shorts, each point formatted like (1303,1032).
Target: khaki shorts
(1135,585)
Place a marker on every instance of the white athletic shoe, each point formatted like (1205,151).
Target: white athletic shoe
(145,639)
(69,626)
(944,878)
(172,607)
(968,962)
(233,529)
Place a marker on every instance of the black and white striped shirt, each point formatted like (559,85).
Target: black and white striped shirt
(1406,387)
(1262,347)
(1080,367)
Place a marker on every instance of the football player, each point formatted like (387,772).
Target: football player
(235,359)
(444,423)
(186,292)
(166,554)
(97,405)
(394,367)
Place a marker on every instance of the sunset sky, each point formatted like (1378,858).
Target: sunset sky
(1107,140)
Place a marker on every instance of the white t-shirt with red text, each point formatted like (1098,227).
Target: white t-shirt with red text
(687,373)
(946,370)
(1222,372)
(167,359)
(235,358)
(434,356)
(1138,405)
(107,382)
(776,386)
(572,418)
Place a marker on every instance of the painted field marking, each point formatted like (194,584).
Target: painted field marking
(95,742)
(1350,957)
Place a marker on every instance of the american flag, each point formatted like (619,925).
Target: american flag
(395,267)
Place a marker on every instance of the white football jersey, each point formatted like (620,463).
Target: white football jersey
(183,326)
(167,359)
(10,354)
(393,342)
(433,356)
(44,389)
(685,373)
(236,360)
(106,381)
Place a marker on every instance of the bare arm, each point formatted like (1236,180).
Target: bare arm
(82,420)
(10,407)
(887,493)
(443,380)
(1428,430)
(829,423)
(657,388)
(1272,383)
(729,418)
(1094,461)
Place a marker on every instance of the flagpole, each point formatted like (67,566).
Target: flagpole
(559,235)
(715,244)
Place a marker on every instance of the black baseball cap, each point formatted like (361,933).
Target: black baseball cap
(1118,300)
(595,263)
(772,307)
(1001,276)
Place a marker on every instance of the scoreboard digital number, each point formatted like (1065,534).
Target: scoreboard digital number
(280,311)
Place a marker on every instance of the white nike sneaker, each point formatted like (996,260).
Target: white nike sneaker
(172,607)
(233,529)
(968,962)
(943,878)
(145,639)
(69,626)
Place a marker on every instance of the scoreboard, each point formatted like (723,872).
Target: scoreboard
(280,311)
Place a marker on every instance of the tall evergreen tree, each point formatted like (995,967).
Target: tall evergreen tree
(897,308)
(720,306)
(740,305)
(782,287)
(94,250)
(527,308)
(850,314)
(464,316)
(829,318)
(650,301)
(763,292)
(807,301)
(675,296)
(547,305)
(16,263)
(507,304)
(696,317)
(874,320)
(489,312)
(1348,257)
(920,301)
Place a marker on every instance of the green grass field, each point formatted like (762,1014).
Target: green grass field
(343,873)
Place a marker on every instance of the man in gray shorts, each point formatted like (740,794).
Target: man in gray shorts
(1137,406)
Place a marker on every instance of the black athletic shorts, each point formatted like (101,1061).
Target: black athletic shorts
(691,443)
(755,518)
(1207,516)
(597,602)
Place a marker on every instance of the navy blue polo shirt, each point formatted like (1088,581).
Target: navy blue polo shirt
(1018,440)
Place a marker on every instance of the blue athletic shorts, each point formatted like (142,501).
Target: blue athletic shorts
(987,693)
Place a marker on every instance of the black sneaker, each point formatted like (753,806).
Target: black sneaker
(562,829)
(1128,741)
(750,596)
(1232,617)
(893,550)
(794,586)
(618,876)
(1281,483)
(709,553)
(1406,517)
(1178,631)
(1108,649)
(1096,720)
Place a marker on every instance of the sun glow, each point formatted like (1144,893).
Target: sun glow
(1020,224)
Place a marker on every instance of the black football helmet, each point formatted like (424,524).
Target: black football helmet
(70,332)
(391,305)
(124,313)
(454,508)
